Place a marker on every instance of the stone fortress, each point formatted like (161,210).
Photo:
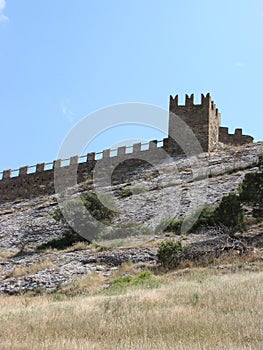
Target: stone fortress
(203,119)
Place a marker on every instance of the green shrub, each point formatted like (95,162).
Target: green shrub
(138,279)
(125,192)
(251,192)
(229,213)
(143,279)
(170,253)
(251,189)
(99,211)
(206,218)
(92,203)
(169,225)
(57,214)
(200,220)
(78,214)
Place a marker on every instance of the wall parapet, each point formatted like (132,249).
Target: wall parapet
(122,151)
(203,119)
(236,139)
(206,102)
(30,181)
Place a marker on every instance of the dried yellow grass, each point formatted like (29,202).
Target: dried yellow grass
(31,269)
(190,312)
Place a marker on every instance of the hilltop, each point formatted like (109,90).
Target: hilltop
(144,197)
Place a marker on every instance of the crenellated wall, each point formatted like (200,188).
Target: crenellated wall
(41,181)
(203,120)
(235,139)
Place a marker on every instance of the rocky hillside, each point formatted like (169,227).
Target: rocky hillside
(149,195)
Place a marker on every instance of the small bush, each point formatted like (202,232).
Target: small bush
(125,192)
(169,225)
(57,214)
(206,218)
(98,210)
(199,220)
(170,253)
(92,203)
(230,213)
(251,192)
(80,214)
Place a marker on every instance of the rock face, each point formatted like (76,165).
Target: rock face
(173,189)
(61,268)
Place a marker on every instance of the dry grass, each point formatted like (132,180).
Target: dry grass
(96,281)
(31,269)
(5,254)
(90,284)
(194,311)
(77,246)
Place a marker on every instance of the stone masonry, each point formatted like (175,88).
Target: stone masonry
(202,119)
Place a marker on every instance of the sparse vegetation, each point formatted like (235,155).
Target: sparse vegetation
(205,219)
(170,225)
(127,192)
(31,269)
(197,310)
(170,253)
(90,284)
(69,239)
(124,231)
(251,192)
(230,213)
(89,215)
(143,279)
(92,204)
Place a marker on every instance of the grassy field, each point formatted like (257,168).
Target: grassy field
(196,310)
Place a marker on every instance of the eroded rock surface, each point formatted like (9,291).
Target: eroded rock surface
(175,190)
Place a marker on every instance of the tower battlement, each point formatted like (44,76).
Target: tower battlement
(206,102)
(204,119)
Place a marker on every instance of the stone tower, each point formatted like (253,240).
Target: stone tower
(204,119)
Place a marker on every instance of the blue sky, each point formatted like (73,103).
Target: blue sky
(61,60)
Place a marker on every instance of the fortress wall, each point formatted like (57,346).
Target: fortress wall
(27,185)
(41,182)
(203,120)
(214,124)
(235,139)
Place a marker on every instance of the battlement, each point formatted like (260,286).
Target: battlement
(235,139)
(203,119)
(125,152)
(206,102)
(30,181)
